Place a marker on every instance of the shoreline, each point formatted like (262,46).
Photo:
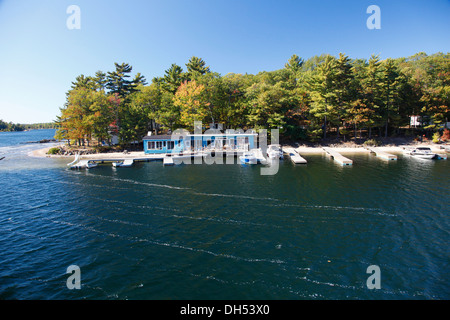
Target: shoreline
(301,149)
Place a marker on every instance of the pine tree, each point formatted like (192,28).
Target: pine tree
(118,80)
(390,84)
(323,95)
(342,88)
(173,78)
(371,85)
(196,66)
(294,64)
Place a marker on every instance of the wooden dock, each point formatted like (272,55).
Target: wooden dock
(295,157)
(338,157)
(381,154)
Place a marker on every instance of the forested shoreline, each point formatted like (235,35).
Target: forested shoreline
(320,98)
(11,127)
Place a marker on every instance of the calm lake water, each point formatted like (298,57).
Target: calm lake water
(222,231)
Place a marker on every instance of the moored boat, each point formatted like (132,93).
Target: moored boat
(91,164)
(274,151)
(248,158)
(124,163)
(420,152)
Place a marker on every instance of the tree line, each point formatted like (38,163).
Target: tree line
(322,97)
(9,126)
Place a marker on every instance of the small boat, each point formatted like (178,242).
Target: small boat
(420,152)
(91,164)
(124,163)
(2,158)
(248,158)
(274,151)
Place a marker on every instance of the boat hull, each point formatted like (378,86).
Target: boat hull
(424,156)
(247,160)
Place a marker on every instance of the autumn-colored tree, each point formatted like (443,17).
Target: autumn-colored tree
(191,100)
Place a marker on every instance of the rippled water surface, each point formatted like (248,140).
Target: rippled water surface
(222,231)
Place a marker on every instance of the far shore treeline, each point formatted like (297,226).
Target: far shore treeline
(9,126)
(321,98)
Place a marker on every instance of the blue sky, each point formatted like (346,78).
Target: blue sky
(40,56)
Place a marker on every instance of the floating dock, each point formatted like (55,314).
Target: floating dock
(168,161)
(79,163)
(338,157)
(128,160)
(381,154)
(295,157)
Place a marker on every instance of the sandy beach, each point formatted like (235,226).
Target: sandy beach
(42,153)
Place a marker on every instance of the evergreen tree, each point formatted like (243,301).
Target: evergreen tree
(294,64)
(372,97)
(173,78)
(196,66)
(118,80)
(343,89)
(323,95)
(390,78)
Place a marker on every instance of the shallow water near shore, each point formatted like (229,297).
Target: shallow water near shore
(222,231)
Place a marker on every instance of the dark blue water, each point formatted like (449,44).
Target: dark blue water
(222,231)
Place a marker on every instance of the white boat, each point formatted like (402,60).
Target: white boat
(248,158)
(91,164)
(124,163)
(274,151)
(420,152)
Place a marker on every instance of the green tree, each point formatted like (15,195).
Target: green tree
(294,64)
(196,67)
(390,87)
(343,89)
(323,95)
(118,80)
(173,78)
(372,94)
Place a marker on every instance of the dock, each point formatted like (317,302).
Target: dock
(295,157)
(168,161)
(381,154)
(338,157)
(126,160)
